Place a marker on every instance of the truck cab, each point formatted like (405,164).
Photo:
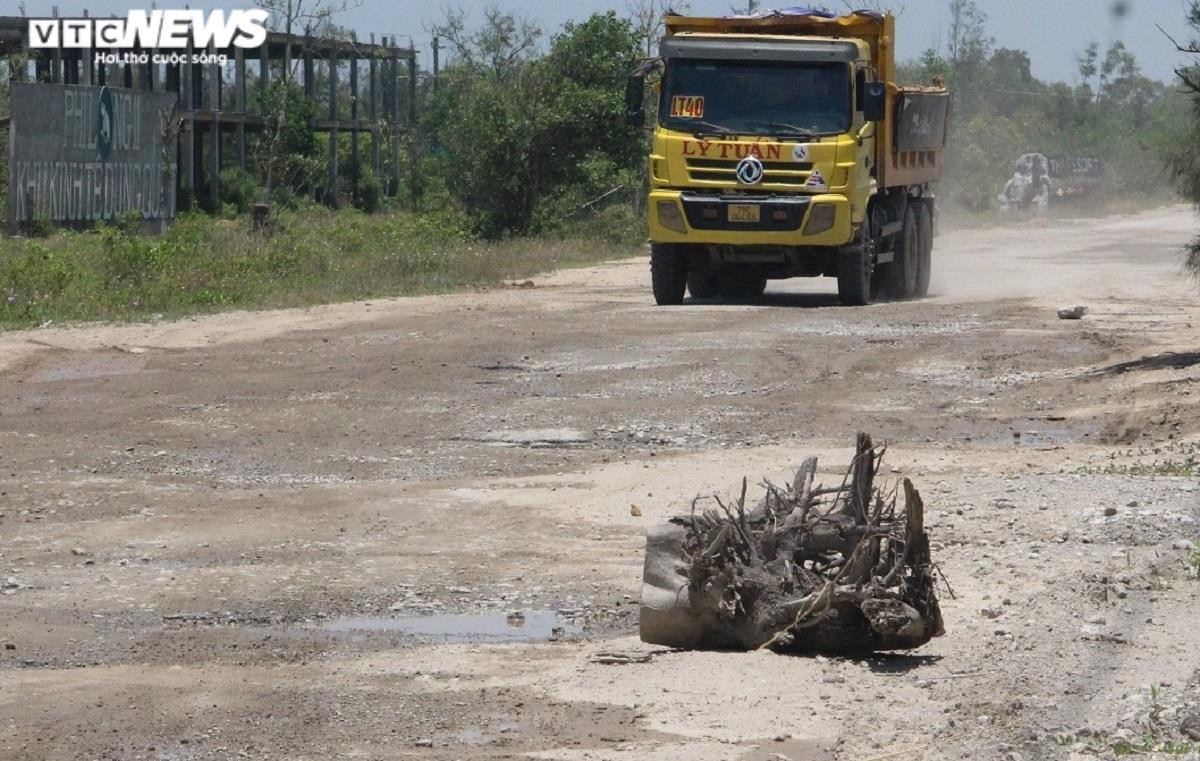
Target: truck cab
(766,159)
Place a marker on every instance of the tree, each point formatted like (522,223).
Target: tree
(1088,66)
(290,16)
(1009,79)
(499,45)
(289,159)
(969,42)
(1190,75)
(524,137)
(968,48)
(925,69)
(1119,64)
(1186,159)
(648,20)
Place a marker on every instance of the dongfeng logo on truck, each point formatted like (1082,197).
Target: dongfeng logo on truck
(157,29)
(750,171)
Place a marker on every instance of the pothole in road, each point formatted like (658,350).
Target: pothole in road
(518,626)
(888,330)
(1039,438)
(89,366)
(1046,439)
(536,438)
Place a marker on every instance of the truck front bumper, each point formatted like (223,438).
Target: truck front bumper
(681,216)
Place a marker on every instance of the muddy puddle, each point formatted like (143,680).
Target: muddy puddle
(1046,439)
(522,626)
(89,367)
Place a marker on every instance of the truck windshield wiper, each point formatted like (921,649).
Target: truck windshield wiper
(791,129)
(708,128)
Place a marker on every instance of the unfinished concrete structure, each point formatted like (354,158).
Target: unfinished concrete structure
(360,87)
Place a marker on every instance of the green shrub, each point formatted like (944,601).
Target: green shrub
(368,195)
(239,189)
(33,276)
(289,155)
(129,260)
(38,227)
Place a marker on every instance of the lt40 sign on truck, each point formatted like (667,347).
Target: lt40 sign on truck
(783,148)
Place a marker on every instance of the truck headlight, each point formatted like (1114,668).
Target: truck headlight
(670,217)
(820,219)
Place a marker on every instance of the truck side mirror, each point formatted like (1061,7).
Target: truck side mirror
(874,101)
(635,94)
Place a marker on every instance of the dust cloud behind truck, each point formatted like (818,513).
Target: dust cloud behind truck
(784,148)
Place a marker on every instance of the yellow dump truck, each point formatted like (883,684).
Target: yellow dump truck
(784,148)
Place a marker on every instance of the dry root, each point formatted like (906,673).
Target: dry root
(808,568)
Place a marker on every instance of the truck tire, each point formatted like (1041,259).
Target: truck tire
(703,284)
(855,267)
(668,274)
(740,286)
(924,211)
(900,275)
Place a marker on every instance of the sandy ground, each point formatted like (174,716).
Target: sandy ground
(217,535)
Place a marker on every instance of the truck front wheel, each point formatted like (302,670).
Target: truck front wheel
(855,265)
(668,273)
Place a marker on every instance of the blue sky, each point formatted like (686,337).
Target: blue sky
(1051,30)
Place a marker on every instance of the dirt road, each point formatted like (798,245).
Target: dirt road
(216,534)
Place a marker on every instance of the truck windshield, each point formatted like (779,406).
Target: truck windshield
(756,97)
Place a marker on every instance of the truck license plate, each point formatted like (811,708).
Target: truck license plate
(743,212)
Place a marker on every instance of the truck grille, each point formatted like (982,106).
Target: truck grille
(776,213)
(790,174)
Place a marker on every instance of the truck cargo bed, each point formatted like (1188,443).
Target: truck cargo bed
(912,154)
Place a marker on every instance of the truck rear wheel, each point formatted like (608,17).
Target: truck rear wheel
(855,267)
(668,273)
(703,284)
(901,273)
(924,211)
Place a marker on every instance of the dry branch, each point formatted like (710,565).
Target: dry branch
(807,568)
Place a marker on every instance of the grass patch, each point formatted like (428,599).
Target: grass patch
(1153,745)
(1153,739)
(1177,458)
(1184,467)
(308,256)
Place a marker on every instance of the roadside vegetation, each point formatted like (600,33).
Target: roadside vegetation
(524,141)
(526,166)
(5,111)
(1113,112)
(524,162)
(1186,157)
(308,255)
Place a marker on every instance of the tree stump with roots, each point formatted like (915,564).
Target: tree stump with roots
(809,568)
